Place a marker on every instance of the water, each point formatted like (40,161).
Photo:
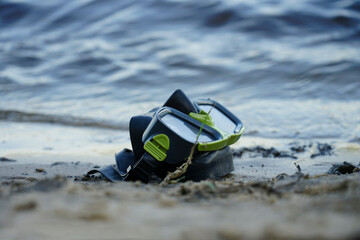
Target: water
(287,69)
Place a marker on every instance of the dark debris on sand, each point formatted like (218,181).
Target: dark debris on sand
(4,159)
(264,152)
(343,168)
(58,164)
(322,149)
(40,170)
(65,163)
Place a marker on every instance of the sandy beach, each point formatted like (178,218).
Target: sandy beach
(56,201)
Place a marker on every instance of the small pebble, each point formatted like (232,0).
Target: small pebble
(40,170)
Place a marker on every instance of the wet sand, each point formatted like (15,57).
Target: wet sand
(54,201)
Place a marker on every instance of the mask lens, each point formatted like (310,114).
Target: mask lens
(185,129)
(220,119)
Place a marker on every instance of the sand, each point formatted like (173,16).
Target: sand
(280,189)
(40,201)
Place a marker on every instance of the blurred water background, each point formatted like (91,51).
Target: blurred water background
(287,68)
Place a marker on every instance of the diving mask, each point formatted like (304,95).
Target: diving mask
(162,139)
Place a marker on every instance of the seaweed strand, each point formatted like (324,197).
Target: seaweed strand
(176,176)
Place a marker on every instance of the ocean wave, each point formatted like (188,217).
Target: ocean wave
(11,13)
(87,56)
